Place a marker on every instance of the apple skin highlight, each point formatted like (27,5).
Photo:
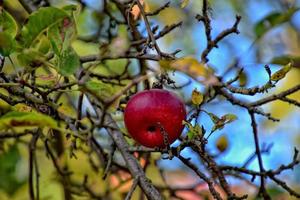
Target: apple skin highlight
(150,112)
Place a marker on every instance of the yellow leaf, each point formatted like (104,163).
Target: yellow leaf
(26,119)
(66,110)
(243,79)
(222,143)
(229,118)
(190,66)
(280,109)
(21,107)
(184,3)
(197,97)
(280,74)
(165,64)
(4,107)
(187,65)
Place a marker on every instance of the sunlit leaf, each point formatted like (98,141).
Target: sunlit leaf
(272,20)
(44,45)
(21,107)
(184,3)
(222,143)
(197,97)
(4,107)
(283,60)
(279,109)
(187,65)
(71,8)
(39,22)
(8,24)
(49,79)
(26,119)
(229,118)
(103,91)
(168,17)
(280,74)
(100,88)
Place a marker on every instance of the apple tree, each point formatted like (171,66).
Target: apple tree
(131,99)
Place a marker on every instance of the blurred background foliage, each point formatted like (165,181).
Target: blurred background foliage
(269,34)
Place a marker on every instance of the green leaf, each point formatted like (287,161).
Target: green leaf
(39,22)
(68,62)
(272,20)
(44,45)
(280,74)
(184,3)
(218,126)
(8,24)
(229,118)
(193,130)
(62,34)
(219,123)
(71,8)
(101,89)
(55,39)
(31,58)
(213,117)
(243,79)
(7,44)
(283,60)
(8,176)
(197,97)
(26,119)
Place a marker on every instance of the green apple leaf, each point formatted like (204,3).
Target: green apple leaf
(44,45)
(219,123)
(272,20)
(213,117)
(8,23)
(39,22)
(100,89)
(229,118)
(280,74)
(283,60)
(193,130)
(7,44)
(68,62)
(31,58)
(8,170)
(26,119)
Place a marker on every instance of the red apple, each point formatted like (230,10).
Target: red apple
(150,112)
